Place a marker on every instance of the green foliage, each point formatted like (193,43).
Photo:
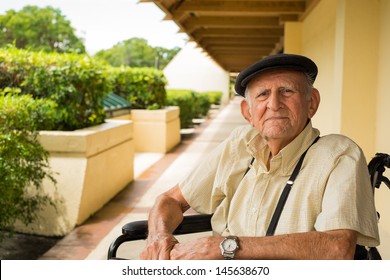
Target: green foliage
(23,161)
(214,96)
(39,29)
(192,104)
(202,104)
(185,99)
(143,87)
(164,56)
(77,83)
(136,52)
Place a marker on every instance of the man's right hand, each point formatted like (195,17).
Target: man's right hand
(158,247)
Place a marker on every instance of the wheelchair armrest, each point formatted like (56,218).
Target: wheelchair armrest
(138,230)
(194,224)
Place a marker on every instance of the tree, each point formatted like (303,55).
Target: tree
(164,56)
(39,29)
(136,52)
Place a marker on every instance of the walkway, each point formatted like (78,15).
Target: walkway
(154,174)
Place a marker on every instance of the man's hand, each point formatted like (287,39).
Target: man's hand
(158,247)
(206,248)
(164,217)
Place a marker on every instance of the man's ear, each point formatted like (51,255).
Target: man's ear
(245,111)
(314,102)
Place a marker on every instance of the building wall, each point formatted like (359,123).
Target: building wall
(382,135)
(192,69)
(349,40)
(318,42)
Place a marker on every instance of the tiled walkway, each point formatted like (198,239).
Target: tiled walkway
(156,173)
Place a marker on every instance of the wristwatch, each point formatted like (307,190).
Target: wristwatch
(229,247)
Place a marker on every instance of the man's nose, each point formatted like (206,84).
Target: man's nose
(274,101)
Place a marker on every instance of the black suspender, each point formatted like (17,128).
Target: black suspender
(285,193)
(249,167)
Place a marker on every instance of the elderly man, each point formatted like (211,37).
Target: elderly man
(329,209)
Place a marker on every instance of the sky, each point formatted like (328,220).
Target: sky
(104,23)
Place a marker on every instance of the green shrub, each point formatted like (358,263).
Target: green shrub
(186,100)
(202,104)
(143,87)
(77,83)
(23,161)
(214,96)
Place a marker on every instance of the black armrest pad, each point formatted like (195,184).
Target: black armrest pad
(194,223)
(137,230)
(190,224)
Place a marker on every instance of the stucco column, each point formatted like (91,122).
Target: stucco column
(357,39)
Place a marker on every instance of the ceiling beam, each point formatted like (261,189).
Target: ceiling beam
(239,7)
(235,49)
(238,32)
(195,22)
(265,41)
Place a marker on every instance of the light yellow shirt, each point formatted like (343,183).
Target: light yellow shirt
(332,190)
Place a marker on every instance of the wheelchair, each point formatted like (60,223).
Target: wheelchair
(138,230)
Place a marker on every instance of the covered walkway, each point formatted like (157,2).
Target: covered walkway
(155,173)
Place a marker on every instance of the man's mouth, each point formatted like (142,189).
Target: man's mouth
(275,118)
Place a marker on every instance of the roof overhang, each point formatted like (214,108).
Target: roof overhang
(235,33)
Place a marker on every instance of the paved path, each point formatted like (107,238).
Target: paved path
(156,173)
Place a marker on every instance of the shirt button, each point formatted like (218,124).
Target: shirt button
(254,210)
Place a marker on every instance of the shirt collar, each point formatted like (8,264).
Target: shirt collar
(288,156)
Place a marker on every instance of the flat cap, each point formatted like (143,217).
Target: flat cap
(277,61)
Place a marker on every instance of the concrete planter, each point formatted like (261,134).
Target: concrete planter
(92,166)
(156,131)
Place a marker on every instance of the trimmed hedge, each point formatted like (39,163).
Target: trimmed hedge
(77,83)
(143,87)
(192,104)
(215,97)
(202,104)
(185,99)
(23,161)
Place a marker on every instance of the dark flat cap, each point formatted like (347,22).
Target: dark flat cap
(277,61)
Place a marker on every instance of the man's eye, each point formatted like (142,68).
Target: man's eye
(262,94)
(287,91)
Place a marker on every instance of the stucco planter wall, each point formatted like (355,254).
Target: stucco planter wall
(92,166)
(156,131)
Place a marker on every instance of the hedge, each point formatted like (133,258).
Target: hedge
(192,104)
(143,87)
(185,99)
(23,161)
(202,104)
(77,83)
(214,96)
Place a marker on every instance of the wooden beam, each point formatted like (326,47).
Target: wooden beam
(239,7)
(238,32)
(284,18)
(265,41)
(237,49)
(236,63)
(194,22)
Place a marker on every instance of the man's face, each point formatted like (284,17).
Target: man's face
(280,104)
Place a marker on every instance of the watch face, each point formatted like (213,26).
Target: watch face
(229,245)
